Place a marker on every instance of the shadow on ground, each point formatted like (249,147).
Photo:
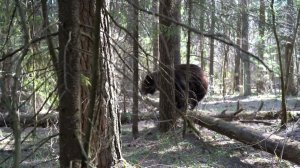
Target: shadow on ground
(153,149)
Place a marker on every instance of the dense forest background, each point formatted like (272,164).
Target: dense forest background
(71,76)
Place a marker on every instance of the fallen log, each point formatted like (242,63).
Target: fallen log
(126,117)
(240,113)
(279,146)
(247,115)
(228,116)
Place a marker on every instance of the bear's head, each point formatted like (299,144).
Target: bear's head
(148,85)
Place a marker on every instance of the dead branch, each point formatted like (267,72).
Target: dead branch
(228,116)
(259,109)
(33,41)
(256,122)
(238,112)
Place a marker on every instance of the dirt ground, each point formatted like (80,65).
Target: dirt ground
(153,149)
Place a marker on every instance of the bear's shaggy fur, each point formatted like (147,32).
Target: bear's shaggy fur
(197,84)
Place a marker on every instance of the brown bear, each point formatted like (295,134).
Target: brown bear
(198,85)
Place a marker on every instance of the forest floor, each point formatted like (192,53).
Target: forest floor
(38,151)
(153,149)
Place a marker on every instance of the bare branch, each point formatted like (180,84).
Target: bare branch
(217,36)
(33,41)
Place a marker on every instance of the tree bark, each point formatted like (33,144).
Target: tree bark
(86,43)
(211,46)
(260,84)
(14,106)
(187,77)
(245,46)
(76,35)
(69,85)
(283,84)
(155,35)
(107,119)
(201,37)
(94,83)
(175,38)
(237,58)
(166,66)
(6,79)
(6,83)
(104,141)
(225,70)
(289,59)
(135,89)
(173,12)
(50,43)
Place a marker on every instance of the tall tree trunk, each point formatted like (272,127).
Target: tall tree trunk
(237,57)
(226,53)
(175,38)
(211,46)
(155,35)
(94,85)
(166,66)
(201,39)
(135,96)
(86,43)
(224,70)
(14,106)
(298,70)
(283,95)
(174,30)
(69,84)
(104,119)
(245,46)
(50,43)
(6,79)
(260,85)
(103,135)
(107,146)
(188,56)
(289,59)
(6,82)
